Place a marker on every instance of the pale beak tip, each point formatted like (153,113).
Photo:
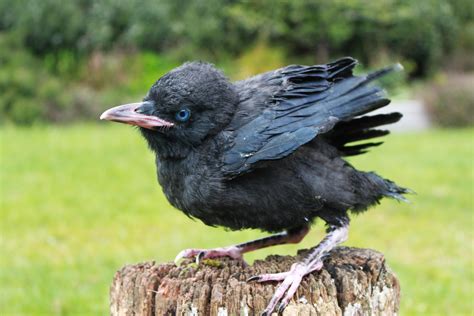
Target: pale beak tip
(103,116)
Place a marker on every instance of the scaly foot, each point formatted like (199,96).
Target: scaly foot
(291,281)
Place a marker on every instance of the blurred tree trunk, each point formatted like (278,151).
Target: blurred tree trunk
(352,282)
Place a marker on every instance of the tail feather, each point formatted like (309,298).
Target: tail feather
(396,192)
(388,188)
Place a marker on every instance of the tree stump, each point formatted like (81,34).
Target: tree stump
(352,282)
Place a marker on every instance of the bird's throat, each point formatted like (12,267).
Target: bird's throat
(164,146)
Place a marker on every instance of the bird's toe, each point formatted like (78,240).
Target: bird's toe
(187,254)
(268,277)
(200,254)
(287,289)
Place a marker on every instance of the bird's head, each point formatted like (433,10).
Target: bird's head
(181,109)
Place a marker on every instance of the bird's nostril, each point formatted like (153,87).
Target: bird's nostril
(145,108)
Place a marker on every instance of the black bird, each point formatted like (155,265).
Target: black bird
(266,152)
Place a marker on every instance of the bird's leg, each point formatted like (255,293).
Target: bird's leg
(236,251)
(312,262)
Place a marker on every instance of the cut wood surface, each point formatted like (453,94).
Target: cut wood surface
(352,282)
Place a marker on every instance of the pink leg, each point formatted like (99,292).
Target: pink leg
(292,279)
(237,251)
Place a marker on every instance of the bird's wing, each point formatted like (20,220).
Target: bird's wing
(310,100)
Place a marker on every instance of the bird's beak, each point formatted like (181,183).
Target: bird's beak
(139,114)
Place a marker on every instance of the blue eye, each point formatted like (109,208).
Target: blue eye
(183,115)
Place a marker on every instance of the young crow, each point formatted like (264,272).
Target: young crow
(266,152)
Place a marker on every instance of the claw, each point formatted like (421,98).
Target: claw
(186,253)
(281,307)
(201,255)
(179,256)
(253,278)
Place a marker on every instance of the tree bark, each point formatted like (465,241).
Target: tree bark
(352,282)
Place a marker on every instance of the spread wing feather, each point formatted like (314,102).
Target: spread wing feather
(310,101)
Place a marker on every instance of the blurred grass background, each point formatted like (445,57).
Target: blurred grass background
(82,201)
(78,199)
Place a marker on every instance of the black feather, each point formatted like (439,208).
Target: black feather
(309,102)
(359,129)
(266,152)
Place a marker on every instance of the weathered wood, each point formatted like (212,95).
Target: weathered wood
(352,282)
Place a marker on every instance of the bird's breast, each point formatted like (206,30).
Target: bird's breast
(264,199)
(189,184)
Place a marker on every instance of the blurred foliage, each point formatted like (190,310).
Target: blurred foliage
(28,93)
(421,31)
(450,100)
(62,60)
(260,58)
(31,93)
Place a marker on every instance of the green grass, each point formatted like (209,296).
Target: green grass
(80,202)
